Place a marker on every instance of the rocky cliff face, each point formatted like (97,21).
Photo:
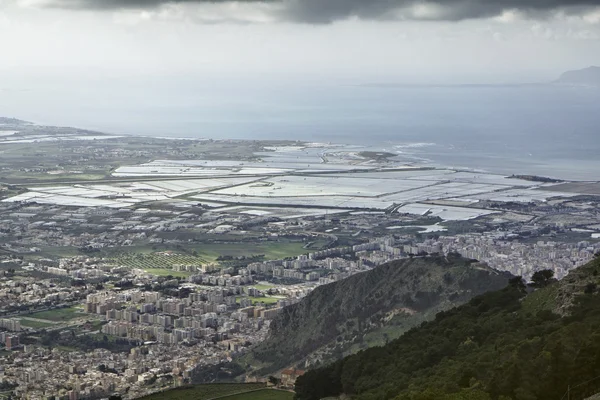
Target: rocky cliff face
(371,308)
(536,342)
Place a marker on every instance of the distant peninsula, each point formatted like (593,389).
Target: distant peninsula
(12,121)
(583,77)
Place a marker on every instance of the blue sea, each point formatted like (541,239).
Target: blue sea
(526,129)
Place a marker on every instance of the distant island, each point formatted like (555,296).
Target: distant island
(583,77)
(589,77)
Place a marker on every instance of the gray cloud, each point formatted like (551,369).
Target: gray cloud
(326,11)
(130,4)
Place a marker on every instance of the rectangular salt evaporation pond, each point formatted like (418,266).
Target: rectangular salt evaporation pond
(285,158)
(96,191)
(521,195)
(410,174)
(283,149)
(259,213)
(463,189)
(261,171)
(187,203)
(299,160)
(218,164)
(79,192)
(121,194)
(441,191)
(202,163)
(138,191)
(293,186)
(188,185)
(46,198)
(330,167)
(32,139)
(282,213)
(108,190)
(142,186)
(23,197)
(424,228)
(167,171)
(308,201)
(312,157)
(446,213)
(192,171)
(286,164)
(490,179)
(165,186)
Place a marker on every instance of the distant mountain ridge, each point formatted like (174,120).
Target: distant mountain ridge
(583,77)
(371,308)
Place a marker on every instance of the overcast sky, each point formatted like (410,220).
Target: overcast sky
(359,40)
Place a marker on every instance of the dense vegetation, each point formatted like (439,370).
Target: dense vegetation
(506,344)
(69,339)
(202,392)
(371,308)
(221,372)
(266,394)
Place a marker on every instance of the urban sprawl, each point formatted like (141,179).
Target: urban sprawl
(128,278)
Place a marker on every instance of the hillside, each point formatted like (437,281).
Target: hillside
(504,345)
(370,309)
(584,77)
(12,121)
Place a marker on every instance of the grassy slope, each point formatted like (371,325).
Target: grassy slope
(266,394)
(272,251)
(205,392)
(263,286)
(59,314)
(28,323)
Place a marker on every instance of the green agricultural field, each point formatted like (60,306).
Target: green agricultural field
(271,251)
(146,258)
(167,272)
(205,392)
(58,314)
(263,286)
(35,324)
(159,260)
(266,300)
(265,394)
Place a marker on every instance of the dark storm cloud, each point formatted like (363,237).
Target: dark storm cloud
(325,11)
(130,4)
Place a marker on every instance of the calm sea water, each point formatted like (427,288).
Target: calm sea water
(544,130)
